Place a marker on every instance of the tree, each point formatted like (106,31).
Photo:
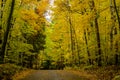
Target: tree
(9,25)
(92,5)
(24,25)
(117,13)
(87,48)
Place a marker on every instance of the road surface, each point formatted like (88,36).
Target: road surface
(54,75)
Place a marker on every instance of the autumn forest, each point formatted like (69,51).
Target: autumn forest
(60,34)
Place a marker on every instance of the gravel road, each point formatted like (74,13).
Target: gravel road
(53,75)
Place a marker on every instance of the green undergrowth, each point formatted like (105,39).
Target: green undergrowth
(105,73)
(9,70)
(100,73)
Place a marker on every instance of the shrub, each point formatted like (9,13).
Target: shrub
(116,77)
(8,70)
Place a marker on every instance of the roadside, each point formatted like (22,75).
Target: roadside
(22,74)
(105,73)
(100,73)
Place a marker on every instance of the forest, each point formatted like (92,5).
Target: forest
(60,34)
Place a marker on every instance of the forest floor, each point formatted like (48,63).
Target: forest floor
(105,73)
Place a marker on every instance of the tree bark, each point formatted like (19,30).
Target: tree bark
(116,45)
(97,33)
(98,42)
(1,16)
(71,33)
(87,48)
(2,54)
(113,32)
(117,13)
(116,50)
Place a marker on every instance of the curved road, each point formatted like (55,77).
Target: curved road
(54,75)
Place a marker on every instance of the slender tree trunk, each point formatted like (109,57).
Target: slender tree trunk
(116,49)
(98,42)
(71,33)
(116,45)
(106,47)
(87,48)
(113,32)
(97,33)
(1,16)
(112,25)
(1,12)
(71,37)
(2,8)
(20,58)
(2,54)
(31,61)
(76,47)
(74,43)
(117,13)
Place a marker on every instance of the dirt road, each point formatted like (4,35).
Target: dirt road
(54,75)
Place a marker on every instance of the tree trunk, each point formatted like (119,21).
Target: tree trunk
(113,32)
(116,50)
(98,42)
(1,16)
(77,48)
(116,45)
(117,13)
(31,61)
(97,33)
(2,8)
(71,33)
(87,48)
(7,32)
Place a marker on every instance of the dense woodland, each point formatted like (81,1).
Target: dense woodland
(57,34)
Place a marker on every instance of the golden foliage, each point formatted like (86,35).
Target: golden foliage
(28,15)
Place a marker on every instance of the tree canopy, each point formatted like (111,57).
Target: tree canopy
(77,33)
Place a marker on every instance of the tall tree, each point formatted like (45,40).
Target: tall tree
(87,48)
(114,30)
(93,8)
(117,13)
(9,25)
